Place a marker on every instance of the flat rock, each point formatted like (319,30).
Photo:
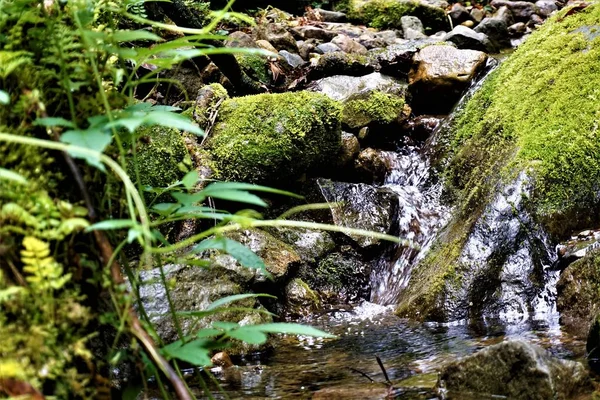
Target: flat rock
(466,38)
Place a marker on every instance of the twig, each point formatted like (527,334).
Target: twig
(362,373)
(387,379)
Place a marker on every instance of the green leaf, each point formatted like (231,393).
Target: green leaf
(193,352)
(54,121)
(12,176)
(226,326)
(71,225)
(241,253)
(172,120)
(250,336)
(206,313)
(187,199)
(111,224)
(236,297)
(165,209)
(130,36)
(4,97)
(208,332)
(134,233)
(190,179)
(93,139)
(217,186)
(236,195)
(293,329)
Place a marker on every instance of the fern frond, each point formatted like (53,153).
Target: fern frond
(10,61)
(43,271)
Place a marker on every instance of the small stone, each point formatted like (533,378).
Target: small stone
(516,30)
(496,30)
(313,32)
(325,48)
(477,14)
(294,60)
(363,133)
(350,148)
(468,24)
(410,22)
(263,44)
(240,39)
(389,36)
(348,45)
(459,14)
(505,14)
(332,16)
(221,359)
(467,38)
(535,20)
(546,7)
(521,10)
(278,36)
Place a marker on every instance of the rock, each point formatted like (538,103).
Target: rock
(332,16)
(516,30)
(410,22)
(313,32)
(350,149)
(422,127)
(372,98)
(340,63)
(521,10)
(459,14)
(280,259)
(274,138)
(477,14)
(301,300)
(578,299)
(440,75)
(496,30)
(374,165)
(294,60)
(535,21)
(389,37)
(468,24)
(396,59)
(193,289)
(516,370)
(382,14)
(221,359)
(504,14)
(265,45)
(278,36)
(240,39)
(372,42)
(341,276)
(467,38)
(255,66)
(325,48)
(546,7)
(362,207)
(310,245)
(348,45)
(352,392)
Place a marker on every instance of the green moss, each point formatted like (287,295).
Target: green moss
(378,107)
(255,66)
(162,157)
(274,138)
(384,14)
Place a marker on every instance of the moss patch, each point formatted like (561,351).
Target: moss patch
(378,107)
(384,14)
(274,138)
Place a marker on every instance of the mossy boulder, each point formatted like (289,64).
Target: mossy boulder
(301,300)
(384,14)
(162,157)
(521,168)
(274,139)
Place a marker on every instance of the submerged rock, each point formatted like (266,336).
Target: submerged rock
(274,138)
(516,370)
(439,76)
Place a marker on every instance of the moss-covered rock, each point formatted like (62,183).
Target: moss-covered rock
(301,300)
(274,138)
(376,107)
(383,14)
(161,157)
(523,159)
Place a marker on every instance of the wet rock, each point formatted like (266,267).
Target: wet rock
(278,36)
(301,300)
(325,48)
(505,14)
(361,207)
(496,30)
(240,39)
(521,10)
(477,14)
(534,21)
(546,7)
(516,370)
(517,30)
(412,27)
(310,245)
(332,16)
(396,59)
(263,44)
(340,63)
(578,299)
(340,277)
(313,32)
(354,391)
(348,45)
(439,76)
(420,128)
(192,289)
(274,139)
(467,38)
(373,165)
(294,60)
(306,47)
(459,14)
(372,98)
(221,359)
(350,149)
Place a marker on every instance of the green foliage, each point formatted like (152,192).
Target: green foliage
(379,107)
(386,14)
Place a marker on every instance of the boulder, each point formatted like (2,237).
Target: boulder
(274,139)
(325,48)
(293,60)
(301,300)
(412,27)
(361,207)
(467,38)
(382,14)
(439,76)
(340,63)
(278,36)
(310,245)
(546,7)
(521,10)
(368,99)
(459,14)
(515,370)
(373,165)
(350,149)
(349,45)
(496,30)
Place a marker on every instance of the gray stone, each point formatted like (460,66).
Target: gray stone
(308,244)
(459,14)
(496,30)
(521,10)
(348,45)
(305,47)
(535,21)
(546,7)
(477,14)
(240,39)
(516,30)
(410,22)
(301,300)
(389,37)
(325,48)
(396,59)
(294,60)
(313,32)
(332,16)
(350,148)
(343,88)
(440,75)
(515,370)
(505,14)
(467,38)
(278,36)
(341,63)
(372,42)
